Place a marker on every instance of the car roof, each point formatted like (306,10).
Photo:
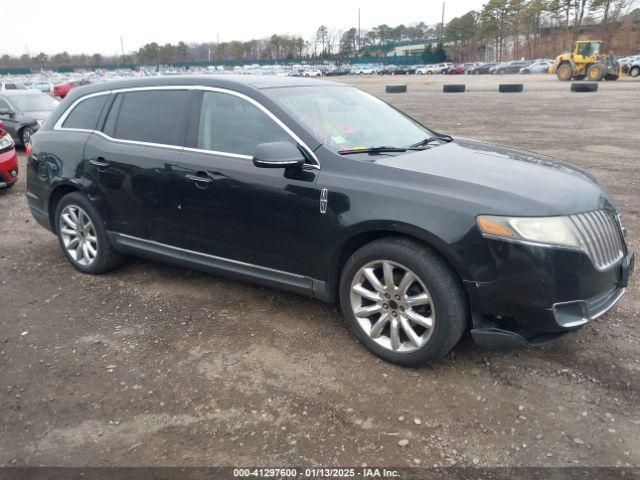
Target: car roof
(258,82)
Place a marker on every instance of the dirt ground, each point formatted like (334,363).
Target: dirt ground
(156,365)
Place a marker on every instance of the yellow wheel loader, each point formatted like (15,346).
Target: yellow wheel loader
(586,61)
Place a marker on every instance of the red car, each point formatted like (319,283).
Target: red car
(456,69)
(8,160)
(63,89)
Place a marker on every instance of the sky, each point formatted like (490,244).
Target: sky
(90,26)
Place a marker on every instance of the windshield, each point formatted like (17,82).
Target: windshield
(34,103)
(345,118)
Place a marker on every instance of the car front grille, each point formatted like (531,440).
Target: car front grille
(600,236)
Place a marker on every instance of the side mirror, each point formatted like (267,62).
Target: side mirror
(278,155)
(6,111)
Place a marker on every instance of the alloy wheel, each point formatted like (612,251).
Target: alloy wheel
(392,306)
(78,235)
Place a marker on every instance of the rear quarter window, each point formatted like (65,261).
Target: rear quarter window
(86,113)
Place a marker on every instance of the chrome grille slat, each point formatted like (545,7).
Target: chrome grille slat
(597,232)
(599,236)
(612,245)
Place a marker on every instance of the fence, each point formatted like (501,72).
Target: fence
(393,60)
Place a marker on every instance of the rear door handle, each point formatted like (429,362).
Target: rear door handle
(101,165)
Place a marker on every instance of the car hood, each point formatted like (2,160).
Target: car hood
(503,180)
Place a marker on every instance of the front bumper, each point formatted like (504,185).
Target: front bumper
(541,290)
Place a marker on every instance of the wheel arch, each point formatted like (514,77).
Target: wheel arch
(20,128)
(368,233)
(56,195)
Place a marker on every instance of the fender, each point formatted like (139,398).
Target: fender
(379,228)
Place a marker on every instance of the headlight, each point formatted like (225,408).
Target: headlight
(6,142)
(543,230)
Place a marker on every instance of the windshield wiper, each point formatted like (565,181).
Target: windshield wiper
(382,149)
(428,140)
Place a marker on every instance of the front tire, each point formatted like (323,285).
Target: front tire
(564,72)
(403,301)
(596,72)
(82,235)
(25,135)
(634,72)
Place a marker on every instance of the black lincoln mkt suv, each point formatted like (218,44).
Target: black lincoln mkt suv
(323,190)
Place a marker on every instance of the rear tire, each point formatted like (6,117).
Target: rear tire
(634,72)
(435,296)
(82,235)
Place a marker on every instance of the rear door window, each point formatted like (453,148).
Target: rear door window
(156,116)
(85,115)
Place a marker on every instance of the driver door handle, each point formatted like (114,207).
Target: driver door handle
(198,178)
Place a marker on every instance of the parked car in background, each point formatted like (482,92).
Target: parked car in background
(312,72)
(422,69)
(393,70)
(338,71)
(8,159)
(511,67)
(625,62)
(23,112)
(631,65)
(364,70)
(44,87)
(12,86)
(436,68)
(63,89)
(540,66)
(400,70)
(417,236)
(456,70)
(468,67)
(482,69)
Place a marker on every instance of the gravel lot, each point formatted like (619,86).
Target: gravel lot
(155,365)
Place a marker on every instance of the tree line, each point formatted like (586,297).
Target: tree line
(500,30)
(512,29)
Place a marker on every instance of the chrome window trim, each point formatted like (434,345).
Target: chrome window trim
(137,142)
(67,112)
(236,262)
(203,88)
